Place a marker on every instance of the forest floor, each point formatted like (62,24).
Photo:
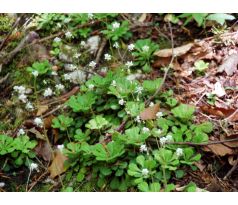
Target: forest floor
(201,64)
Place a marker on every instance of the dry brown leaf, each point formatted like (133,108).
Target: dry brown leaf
(229,65)
(42,109)
(142,18)
(57,166)
(150,112)
(217,111)
(48,121)
(230,144)
(179,51)
(43,149)
(38,134)
(219,149)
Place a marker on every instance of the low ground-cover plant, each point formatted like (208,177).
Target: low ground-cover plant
(140,154)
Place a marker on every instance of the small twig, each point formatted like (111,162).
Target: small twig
(200,144)
(9,34)
(52,111)
(100,50)
(231,170)
(147,102)
(39,178)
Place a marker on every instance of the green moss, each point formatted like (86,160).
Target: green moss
(5,24)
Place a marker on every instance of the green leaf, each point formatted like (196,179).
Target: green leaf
(200,66)
(108,152)
(62,122)
(6,144)
(183,112)
(105,171)
(82,102)
(152,85)
(166,158)
(143,187)
(97,123)
(206,127)
(23,144)
(220,17)
(135,108)
(40,67)
(169,187)
(134,136)
(179,173)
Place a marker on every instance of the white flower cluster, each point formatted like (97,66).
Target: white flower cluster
(114,84)
(21,90)
(145,48)
(131,47)
(179,152)
(116,45)
(20,132)
(164,140)
(68,35)
(115,26)
(38,122)
(48,92)
(129,64)
(92,64)
(143,148)
(139,89)
(57,39)
(107,57)
(59,87)
(121,102)
(159,114)
(60,147)
(145,129)
(33,166)
(145,172)
(138,119)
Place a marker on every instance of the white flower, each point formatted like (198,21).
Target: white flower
(115,25)
(145,48)
(83,43)
(107,57)
(219,90)
(138,119)
(92,64)
(104,69)
(57,39)
(68,34)
(158,132)
(33,166)
(90,86)
(54,73)
(131,47)
(77,55)
(121,102)
(145,129)
(23,98)
(90,16)
(67,76)
(35,73)
(20,89)
(151,104)
(29,106)
(38,122)
(116,45)
(60,147)
(179,152)
(59,25)
(20,132)
(145,172)
(129,64)
(59,87)
(2,184)
(163,140)
(169,138)
(159,114)
(139,89)
(48,92)
(67,20)
(143,148)
(114,84)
